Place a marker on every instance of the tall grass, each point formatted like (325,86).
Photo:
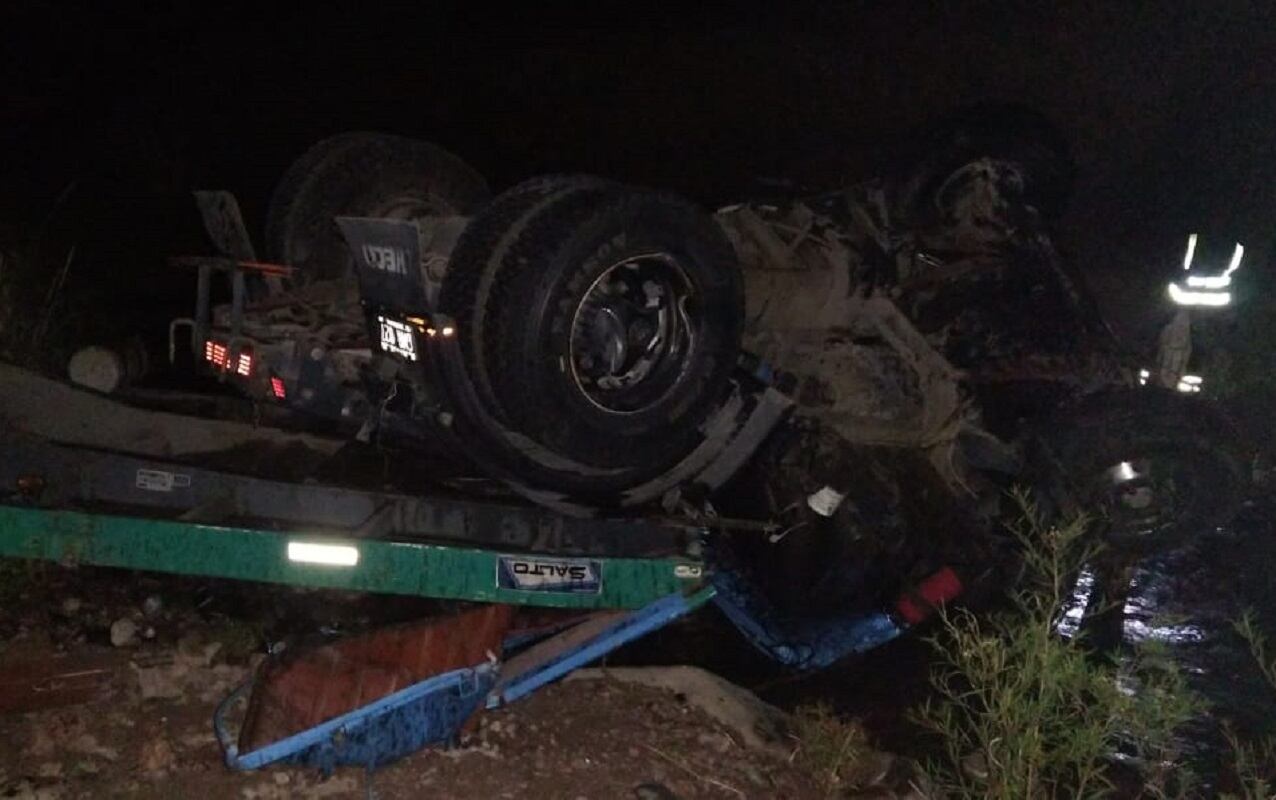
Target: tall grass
(1023,712)
(1254,762)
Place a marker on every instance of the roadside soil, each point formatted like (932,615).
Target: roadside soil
(142,727)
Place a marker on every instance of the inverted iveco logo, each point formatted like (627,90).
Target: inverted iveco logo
(386,259)
(532,574)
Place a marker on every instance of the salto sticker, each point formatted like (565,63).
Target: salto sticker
(535,574)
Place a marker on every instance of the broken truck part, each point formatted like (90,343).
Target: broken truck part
(912,346)
(595,397)
(72,503)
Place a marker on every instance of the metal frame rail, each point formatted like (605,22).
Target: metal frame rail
(72,504)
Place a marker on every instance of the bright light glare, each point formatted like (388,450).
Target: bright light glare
(1143,377)
(337,555)
(1189,384)
(1209,281)
(1192,379)
(1125,471)
(1185,297)
(1191,252)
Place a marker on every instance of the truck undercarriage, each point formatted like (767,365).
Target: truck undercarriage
(811,412)
(602,349)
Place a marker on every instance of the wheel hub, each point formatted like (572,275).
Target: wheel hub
(1141,497)
(632,333)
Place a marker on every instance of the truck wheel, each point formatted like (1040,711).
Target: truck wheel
(361,174)
(610,324)
(1027,150)
(475,264)
(1153,467)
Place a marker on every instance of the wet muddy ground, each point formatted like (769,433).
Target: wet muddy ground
(1185,600)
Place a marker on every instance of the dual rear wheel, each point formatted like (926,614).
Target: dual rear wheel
(597,323)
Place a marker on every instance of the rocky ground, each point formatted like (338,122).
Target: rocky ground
(120,674)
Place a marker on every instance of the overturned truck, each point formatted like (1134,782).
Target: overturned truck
(854,379)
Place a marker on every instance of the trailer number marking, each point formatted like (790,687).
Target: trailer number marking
(157,480)
(532,574)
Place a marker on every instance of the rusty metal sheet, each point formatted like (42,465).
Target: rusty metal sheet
(308,687)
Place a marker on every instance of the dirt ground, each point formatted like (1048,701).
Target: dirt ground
(593,739)
(143,728)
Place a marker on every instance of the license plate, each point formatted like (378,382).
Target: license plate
(397,338)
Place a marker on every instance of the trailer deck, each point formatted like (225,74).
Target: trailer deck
(93,481)
(75,501)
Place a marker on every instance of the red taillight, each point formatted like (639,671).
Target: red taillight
(217,354)
(220,356)
(931,593)
(277,388)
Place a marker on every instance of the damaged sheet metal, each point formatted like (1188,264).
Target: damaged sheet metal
(302,689)
(345,703)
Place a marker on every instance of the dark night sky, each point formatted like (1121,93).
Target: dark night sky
(1170,106)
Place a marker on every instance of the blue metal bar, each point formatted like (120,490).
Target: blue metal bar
(431,721)
(633,626)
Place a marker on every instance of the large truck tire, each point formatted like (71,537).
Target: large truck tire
(1153,468)
(605,324)
(1020,141)
(475,264)
(361,174)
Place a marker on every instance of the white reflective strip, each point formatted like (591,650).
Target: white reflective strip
(1209,281)
(1192,379)
(825,501)
(1191,252)
(1237,255)
(1184,297)
(337,555)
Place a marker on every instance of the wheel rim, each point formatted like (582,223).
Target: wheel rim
(953,193)
(1145,499)
(633,333)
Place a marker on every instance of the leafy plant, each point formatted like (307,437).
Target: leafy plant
(1023,712)
(1254,762)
